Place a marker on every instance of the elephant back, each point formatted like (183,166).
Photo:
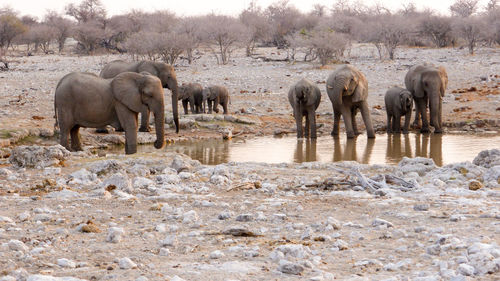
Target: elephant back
(114,68)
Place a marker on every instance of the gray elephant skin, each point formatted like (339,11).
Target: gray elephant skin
(347,89)
(215,95)
(165,72)
(427,84)
(398,102)
(86,100)
(304,97)
(191,93)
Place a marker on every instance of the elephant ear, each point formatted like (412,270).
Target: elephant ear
(361,91)
(444,80)
(127,89)
(147,66)
(417,86)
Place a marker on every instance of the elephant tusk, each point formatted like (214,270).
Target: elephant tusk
(329,87)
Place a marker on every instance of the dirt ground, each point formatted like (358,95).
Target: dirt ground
(163,216)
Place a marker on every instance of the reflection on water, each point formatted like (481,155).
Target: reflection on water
(390,149)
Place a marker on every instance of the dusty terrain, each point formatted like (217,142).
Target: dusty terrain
(164,216)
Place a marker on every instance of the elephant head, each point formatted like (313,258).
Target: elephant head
(430,81)
(303,92)
(136,90)
(348,81)
(406,101)
(166,73)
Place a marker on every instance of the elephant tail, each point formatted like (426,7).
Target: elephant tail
(56,125)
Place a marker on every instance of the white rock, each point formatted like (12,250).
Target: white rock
(377,222)
(120,181)
(140,182)
(16,245)
(164,252)
(115,234)
(170,240)
(341,244)
(40,277)
(66,263)
(293,250)
(161,228)
(177,278)
(419,165)
(168,179)
(466,269)
(34,156)
(51,171)
(189,217)
(216,254)
(126,263)
(5,220)
(290,267)
(487,158)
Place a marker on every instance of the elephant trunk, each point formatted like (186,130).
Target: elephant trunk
(339,86)
(159,113)
(172,85)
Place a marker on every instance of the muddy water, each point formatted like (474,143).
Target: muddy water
(389,149)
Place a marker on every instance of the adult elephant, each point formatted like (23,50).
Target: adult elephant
(427,84)
(304,97)
(165,72)
(86,100)
(191,93)
(215,95)
(347,89)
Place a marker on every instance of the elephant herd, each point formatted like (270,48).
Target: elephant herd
(347,88)
(119,93)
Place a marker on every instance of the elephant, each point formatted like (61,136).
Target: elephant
(86,100)
(427,84)
(216,95)
(347,89)
(191,93)
(304,97)
(398,102)
(350,151)
(165,72)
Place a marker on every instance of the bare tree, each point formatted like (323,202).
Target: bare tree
(224,32)
(471,30)
(143,45)
(87,11)
(89,35)
(159,21)
(256,27)
(328,44)
(282,19)
(189,28)
(171,46)
(62,28)
(492,26)
(387,31)
(10,27)
(40,35)
(319,10)
(438,29)
(464,8)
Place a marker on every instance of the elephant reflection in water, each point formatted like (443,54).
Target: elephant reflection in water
(395,152)
(435,144)
(350,153)
(309,155)
(210,152)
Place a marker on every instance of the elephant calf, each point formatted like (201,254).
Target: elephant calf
(398,102)
(215,95)
(304,97)
(86,100)
(191,93)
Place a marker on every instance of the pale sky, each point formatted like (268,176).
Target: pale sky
(200,7)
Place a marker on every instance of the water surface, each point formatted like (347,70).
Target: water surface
(385,149)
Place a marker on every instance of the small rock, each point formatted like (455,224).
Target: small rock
(164,252)
(290,268)
(239,231)
(475,185)
(16,245)
(466,269)
(434,250)
(224,216)
(244,217)
(421,207)
(66,263)
(126,263)
(378,222)
(115,234)
(169,241)
(216,254)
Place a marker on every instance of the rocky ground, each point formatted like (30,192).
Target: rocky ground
(163,216)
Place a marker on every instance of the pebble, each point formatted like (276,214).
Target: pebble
(126,263)
(465,269)
(66,263)
(379,222)
(216,254)
(244,217)
(290,267)
(115,234)
(421,207)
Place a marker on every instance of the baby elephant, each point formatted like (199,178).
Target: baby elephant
(216,95)
(398,102)
(304,97)
(191,93)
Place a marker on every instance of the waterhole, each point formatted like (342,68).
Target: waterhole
(385,149)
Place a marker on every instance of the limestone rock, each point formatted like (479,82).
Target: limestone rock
(38,156)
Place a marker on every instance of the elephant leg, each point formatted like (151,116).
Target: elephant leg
(128,120)
(354,124)
(312,123)
(347,116)
(298,122)
(224,106)
(389,125)
(185,106)
(416,122)
(367,119)
(64,135)
(407,122)
(422,109)
(209,104)
(396,123)
(216,110)
(191,104)
(307,129)
(144,120)
(336,123)
(76,144)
